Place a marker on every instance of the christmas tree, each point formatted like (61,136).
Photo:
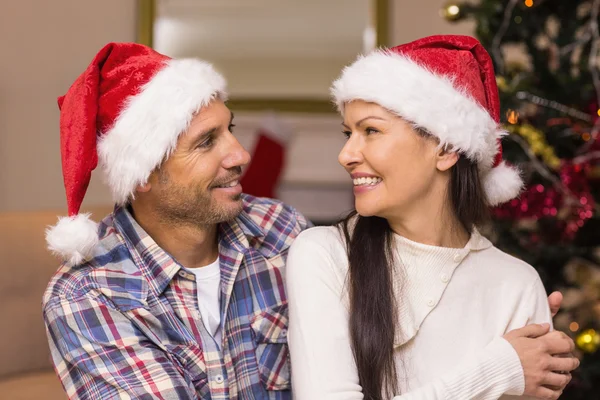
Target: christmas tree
(547,58)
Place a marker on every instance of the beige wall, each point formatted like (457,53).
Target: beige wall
(412,19)
(44,45)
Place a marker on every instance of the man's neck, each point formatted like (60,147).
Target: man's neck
(192,246)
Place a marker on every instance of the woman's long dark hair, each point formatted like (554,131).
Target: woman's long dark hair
(373,308)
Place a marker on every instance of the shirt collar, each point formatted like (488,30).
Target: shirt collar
(158,266)
(477,241)
(411,312)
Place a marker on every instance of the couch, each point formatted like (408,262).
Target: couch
(25,369)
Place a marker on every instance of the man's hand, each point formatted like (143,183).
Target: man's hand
(545,358)
(554,300)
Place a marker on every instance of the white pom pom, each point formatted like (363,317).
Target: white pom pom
(501,184)
(73,238)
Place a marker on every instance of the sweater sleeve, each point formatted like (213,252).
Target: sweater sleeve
(533,307)
(321,354)
(489,374)
(322,362)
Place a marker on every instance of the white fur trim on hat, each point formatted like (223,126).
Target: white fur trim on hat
(146,131)
(502,183)
(431,101)
(73,238)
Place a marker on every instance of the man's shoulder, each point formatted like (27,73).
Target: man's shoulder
(277,222)
(268,213)
(258,207)
(110,273)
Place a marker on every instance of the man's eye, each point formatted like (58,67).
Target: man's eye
(206,143)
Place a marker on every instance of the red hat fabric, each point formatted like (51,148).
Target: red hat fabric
(126,112)
(446,85)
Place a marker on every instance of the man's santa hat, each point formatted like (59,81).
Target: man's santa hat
(446,85)
(125,111)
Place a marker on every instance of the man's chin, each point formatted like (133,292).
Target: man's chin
(233,200)
(230,209)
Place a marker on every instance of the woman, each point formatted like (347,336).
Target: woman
(405,298)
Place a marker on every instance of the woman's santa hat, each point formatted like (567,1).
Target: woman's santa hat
(446,85)
(126,111)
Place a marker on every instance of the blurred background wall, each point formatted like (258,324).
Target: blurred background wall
(44,45)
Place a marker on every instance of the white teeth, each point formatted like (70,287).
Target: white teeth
(369,181)
(230,184)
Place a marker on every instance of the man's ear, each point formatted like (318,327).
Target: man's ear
(143,188)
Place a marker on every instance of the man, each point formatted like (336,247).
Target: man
(133,314)
(179,293)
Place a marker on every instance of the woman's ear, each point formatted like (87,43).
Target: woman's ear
(446,158)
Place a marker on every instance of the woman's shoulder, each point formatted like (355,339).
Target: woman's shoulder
(319,247)
(320,237)
(502,265)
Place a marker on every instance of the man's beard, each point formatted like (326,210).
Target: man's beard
(193,205)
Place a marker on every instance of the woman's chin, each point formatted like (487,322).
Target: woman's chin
(365,210)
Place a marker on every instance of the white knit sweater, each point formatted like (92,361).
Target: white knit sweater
(454,306)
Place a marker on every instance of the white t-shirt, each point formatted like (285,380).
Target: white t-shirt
(208,284)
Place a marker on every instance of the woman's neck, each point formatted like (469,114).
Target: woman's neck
(423,225)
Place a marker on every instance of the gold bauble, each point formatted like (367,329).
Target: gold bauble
(451,11)
(588,341)
(501,83)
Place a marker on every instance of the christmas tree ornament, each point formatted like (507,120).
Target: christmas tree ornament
(451,11)
(588,341)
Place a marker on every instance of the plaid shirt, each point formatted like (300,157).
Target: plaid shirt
(126,323)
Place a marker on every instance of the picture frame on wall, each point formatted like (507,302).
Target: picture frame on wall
(279,55)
